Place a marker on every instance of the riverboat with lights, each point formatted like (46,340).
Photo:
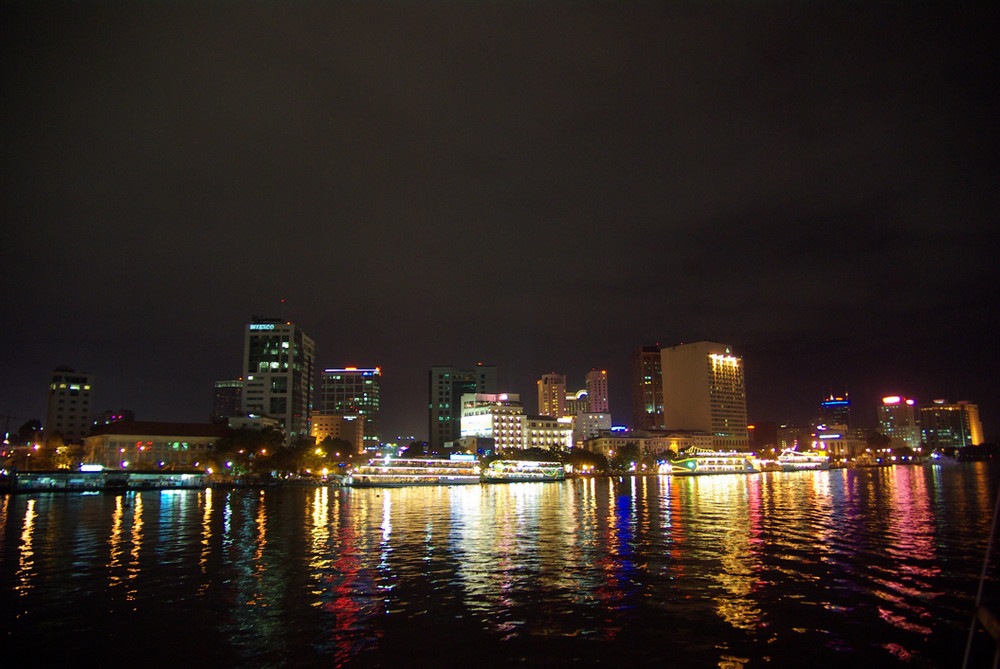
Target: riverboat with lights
(398,472)
(520,471)
(795,461)
(698,461)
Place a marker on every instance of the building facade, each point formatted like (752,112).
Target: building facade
(153,446)
(588,425)
(69,405)
(650,442)
(278,369)
(228,400)
(549,432)
(353,391)
(597,390)
(704,390)
(897,419)
(349,427)
(950,425)
(647,388)
(835,410)
(496,416)
(552,395)
(446,386)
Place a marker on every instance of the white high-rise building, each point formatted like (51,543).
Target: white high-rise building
(704,390)
(278,359)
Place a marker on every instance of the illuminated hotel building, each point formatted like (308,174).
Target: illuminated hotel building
(704,389)
(69,408)
(499,417)
(552,395)
(947,425)
(446,386)
(547,432)
(353,391)
(278,374)
(597,389)
(897,419)
(647,389)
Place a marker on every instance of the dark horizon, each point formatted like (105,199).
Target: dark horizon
(543,188)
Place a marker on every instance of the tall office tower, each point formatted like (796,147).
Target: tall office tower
(552,395)
(947,425)
(647,389)
(835,410)
(278,360)
(597,389)
(446,385)
(704,389)
(897,419)
(228,400)
(353,391)
(68,411)
(499,417)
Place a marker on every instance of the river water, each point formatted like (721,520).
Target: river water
(870,567)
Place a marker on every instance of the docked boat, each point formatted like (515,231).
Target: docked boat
(795,461)
(516,471)
(397,472)
(697,461)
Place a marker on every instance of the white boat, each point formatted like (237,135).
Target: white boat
(396,472)
(514,471)
(795,461)
(698,461)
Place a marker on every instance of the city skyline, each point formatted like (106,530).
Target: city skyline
(535,188)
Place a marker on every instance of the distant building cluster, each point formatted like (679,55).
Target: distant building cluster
(683,396)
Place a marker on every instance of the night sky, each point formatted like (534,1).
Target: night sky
(544,187)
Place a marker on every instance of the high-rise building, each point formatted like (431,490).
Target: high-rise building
(897,419)
(704,389)
(496,416)
(552,395)
(69,405)
(597,389)
(353,391)
(228,400)
(647,389)
(947,425)
(835,410)
(577,403)
(278,360)
(446,385)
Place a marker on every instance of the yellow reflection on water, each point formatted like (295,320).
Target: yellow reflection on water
(115,540)
(206,528)
(3,522)
(320,528)
(730,504)
(26,561)
(133,566)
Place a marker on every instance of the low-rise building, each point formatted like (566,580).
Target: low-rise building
(148,445)
(650,442)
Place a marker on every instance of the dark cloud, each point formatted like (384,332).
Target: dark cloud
(540,186)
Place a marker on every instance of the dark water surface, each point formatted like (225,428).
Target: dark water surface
(871,567)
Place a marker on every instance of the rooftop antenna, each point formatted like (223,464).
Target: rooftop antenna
(283,310)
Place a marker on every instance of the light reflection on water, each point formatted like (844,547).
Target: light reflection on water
(858,566)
